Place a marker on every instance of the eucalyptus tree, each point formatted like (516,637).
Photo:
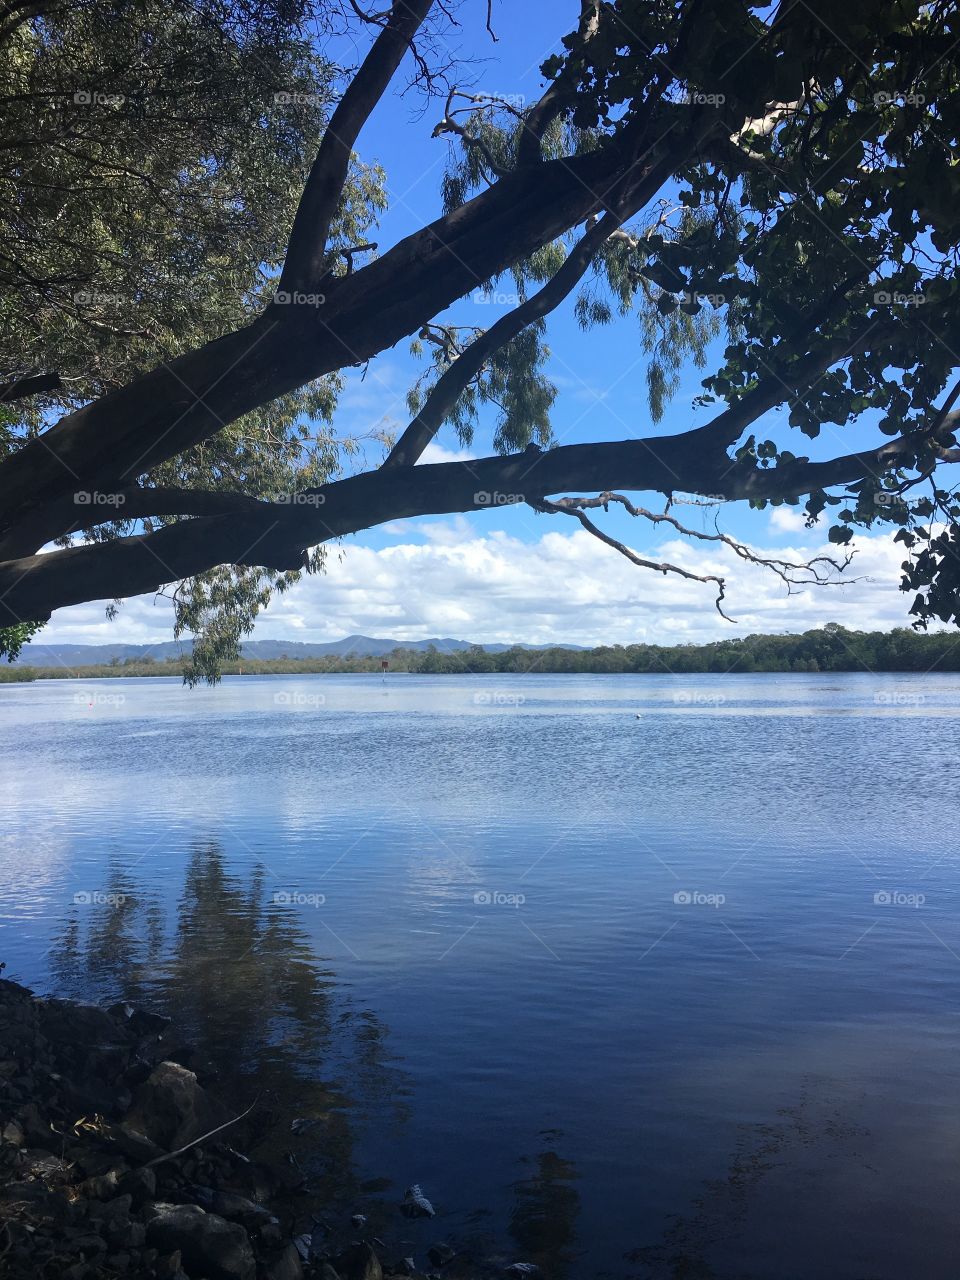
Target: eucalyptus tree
(788,173)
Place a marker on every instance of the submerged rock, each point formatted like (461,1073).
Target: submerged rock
(415,1204)
(440,1254)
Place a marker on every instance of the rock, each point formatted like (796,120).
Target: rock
(359,1262)
(65,1023)
(13,1133)
(525,1270)
(111,1211)
(415,1204)
(286,1266)
(103,1186)
(359,1220)
(209,1245)
(140,1184)
(139,1021)
(239,1209)
(134,1145)
(441,1254)
(172,1108)
(327,1272)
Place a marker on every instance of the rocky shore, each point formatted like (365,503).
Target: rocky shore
(116,1161)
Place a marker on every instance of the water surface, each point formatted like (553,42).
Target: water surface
(638,976)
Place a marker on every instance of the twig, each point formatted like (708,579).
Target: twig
(664,567)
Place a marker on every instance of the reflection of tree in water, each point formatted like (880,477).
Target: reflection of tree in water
(544,1216)
(246,995)
(719,1217)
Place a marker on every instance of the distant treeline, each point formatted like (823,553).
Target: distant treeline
(833,648)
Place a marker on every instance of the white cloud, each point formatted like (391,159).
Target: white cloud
(789,520)
(494,587)
(437,453)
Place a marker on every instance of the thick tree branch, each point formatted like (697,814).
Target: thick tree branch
(304,266)
(276,535)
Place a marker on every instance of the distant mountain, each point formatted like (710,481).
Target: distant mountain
(89,655)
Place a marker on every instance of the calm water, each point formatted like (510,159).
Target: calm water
(667,996)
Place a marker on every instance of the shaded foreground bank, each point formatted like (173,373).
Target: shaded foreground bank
(831,648)
(116,1160)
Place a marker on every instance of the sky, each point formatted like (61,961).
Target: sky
(509,574)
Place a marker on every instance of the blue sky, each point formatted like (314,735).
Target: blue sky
(494,575)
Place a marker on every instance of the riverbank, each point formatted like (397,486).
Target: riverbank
(117,1159)
(831,648)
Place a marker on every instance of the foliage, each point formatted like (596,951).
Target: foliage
(152,164)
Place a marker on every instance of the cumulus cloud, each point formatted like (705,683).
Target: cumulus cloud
(560,586)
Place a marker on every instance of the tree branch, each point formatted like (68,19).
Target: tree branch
(276,535)
(305,262)
(35,384)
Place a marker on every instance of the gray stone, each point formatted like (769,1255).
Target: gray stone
(209,1245)
(359,1262)
(172,1108)
(287,1266)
